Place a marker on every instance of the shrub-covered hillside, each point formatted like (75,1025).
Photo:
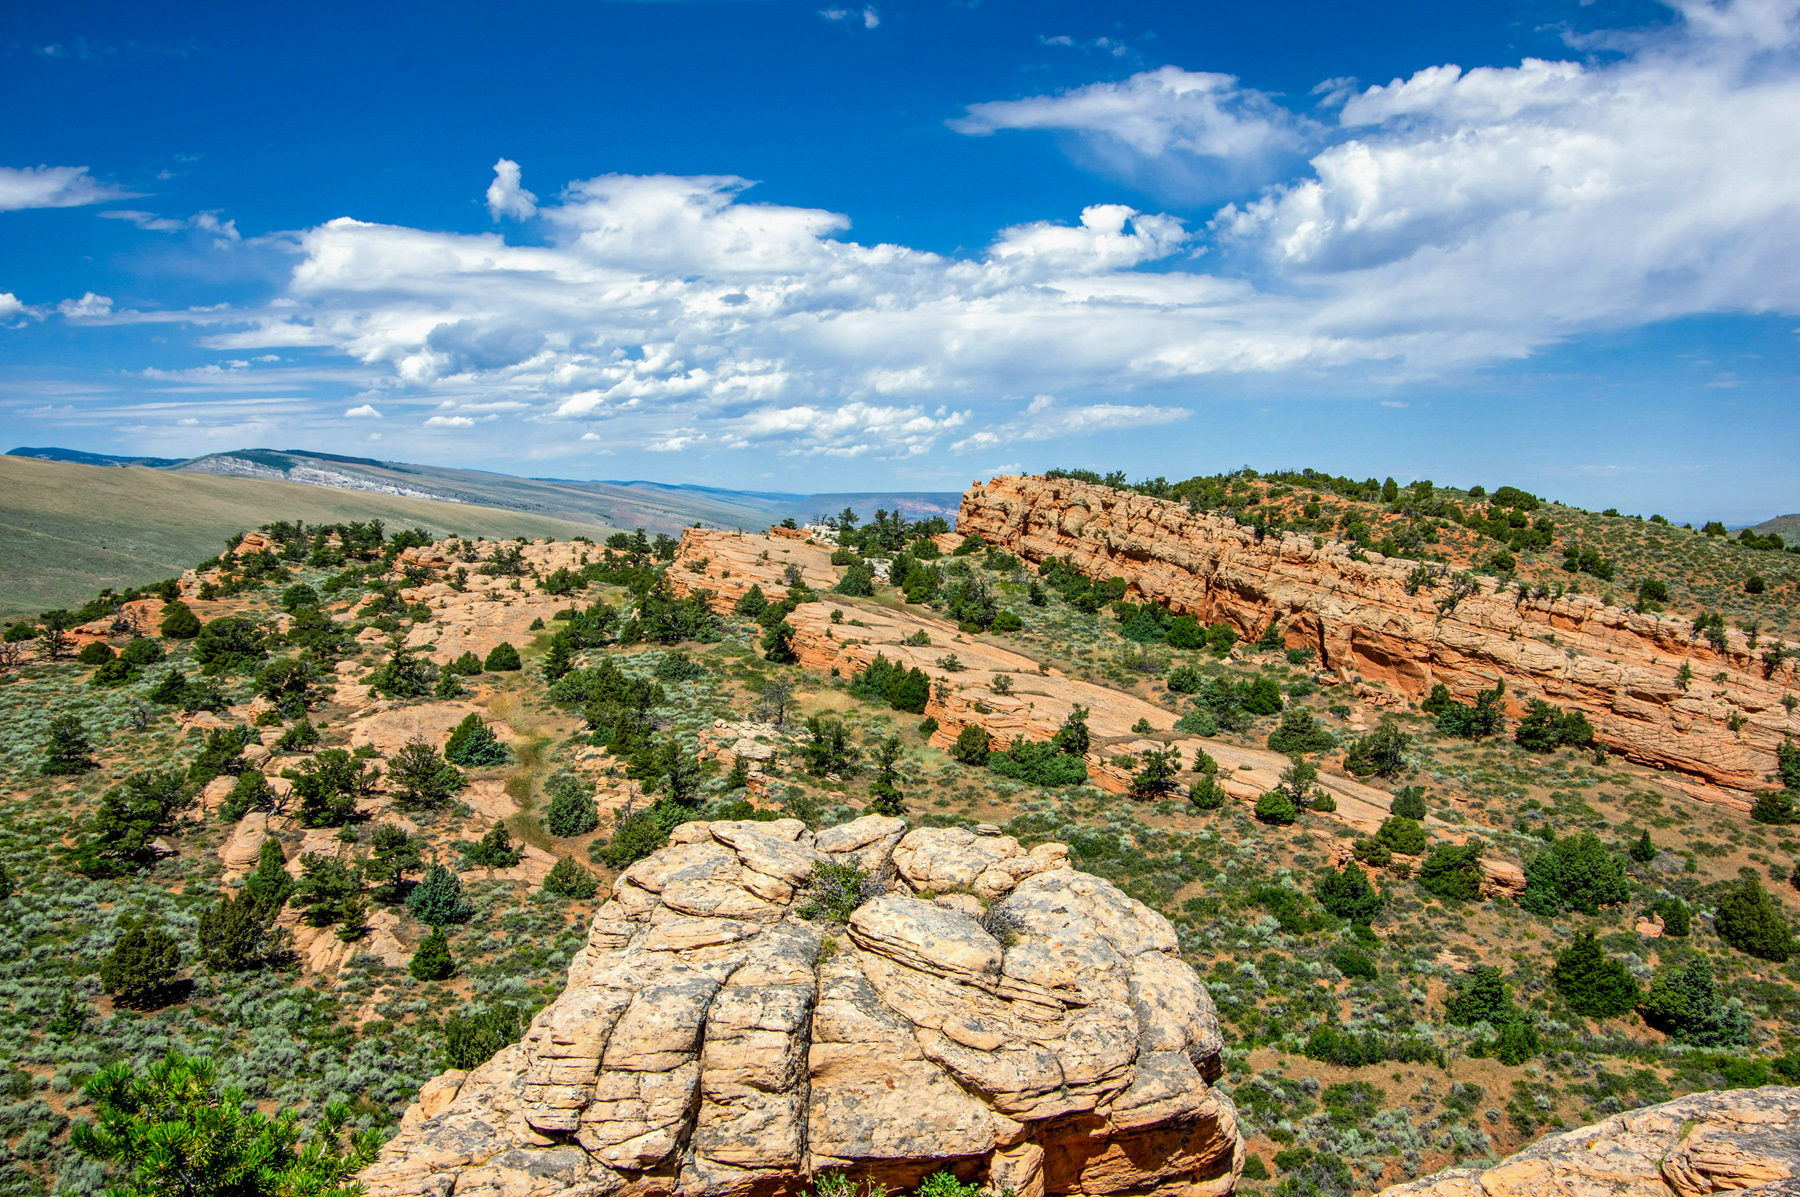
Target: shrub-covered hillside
(334,810)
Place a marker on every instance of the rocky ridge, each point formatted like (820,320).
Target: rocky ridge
(713,1041)
(1009,694)
(1622,668)
(1738,1140)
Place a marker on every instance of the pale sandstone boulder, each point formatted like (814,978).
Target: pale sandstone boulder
(712,1043)
(389,731)
(1740,1140)
(239,853)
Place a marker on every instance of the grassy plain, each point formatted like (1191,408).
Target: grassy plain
(67,531)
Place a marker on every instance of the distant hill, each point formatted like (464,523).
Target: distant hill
(79,457)
(1785,526)
(68,530)
(63,536)
(653,506)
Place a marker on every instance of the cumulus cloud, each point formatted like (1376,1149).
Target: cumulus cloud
(1525,203)
(53,187)
(365,411)
(1451,218)
(505,195)
(10,306)
(88,307)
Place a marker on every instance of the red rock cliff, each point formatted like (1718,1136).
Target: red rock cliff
(1618,666)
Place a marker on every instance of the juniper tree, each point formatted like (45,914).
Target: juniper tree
(329,890)
(421,779)
(329,782)
(270,882)
(572,810)
(972,745)
(1684,1002)
(179,622)
(1748,920)
(438,900)
(494,851)
(473,744)
(66,748)
(1593,983)
(884,791)
(570,880)
(141,965)
(432,961)
(239,933)
(1347,894)
(396,852)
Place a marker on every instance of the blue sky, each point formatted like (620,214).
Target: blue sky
(817,247)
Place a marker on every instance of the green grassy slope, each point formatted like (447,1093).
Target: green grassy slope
(67,531)
(1785,526)
(654,508)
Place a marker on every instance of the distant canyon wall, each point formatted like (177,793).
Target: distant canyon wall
(1619,667)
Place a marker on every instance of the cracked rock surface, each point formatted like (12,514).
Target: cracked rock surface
(1738,1140)
(994,1012)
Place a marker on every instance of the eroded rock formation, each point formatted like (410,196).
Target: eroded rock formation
(1620,667)
(1740,1140)
(1010,695)
(711,1041)
(996,688)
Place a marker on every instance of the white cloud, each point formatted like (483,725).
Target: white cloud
(10,306)
(1521,204)
(1099,244)
(1105,45)
(1191,132)
(869,16)
(505,197)
(1451,218)
(365,411)
(53,187)
(223,232)
(88,307)
(1045,419)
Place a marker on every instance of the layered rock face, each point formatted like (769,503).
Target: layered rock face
(1005,692)
(1740,1140)
(1618,666)
(711,1041)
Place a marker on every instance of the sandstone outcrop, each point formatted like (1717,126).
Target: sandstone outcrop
(1032,702)
(712,1041)
(1744,1140)
(1620,667)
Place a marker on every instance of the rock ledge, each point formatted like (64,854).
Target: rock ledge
(1740,1139)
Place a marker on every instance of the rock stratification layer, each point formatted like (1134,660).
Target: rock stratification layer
(712,1041)
(1371,617)
(1742,1139)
